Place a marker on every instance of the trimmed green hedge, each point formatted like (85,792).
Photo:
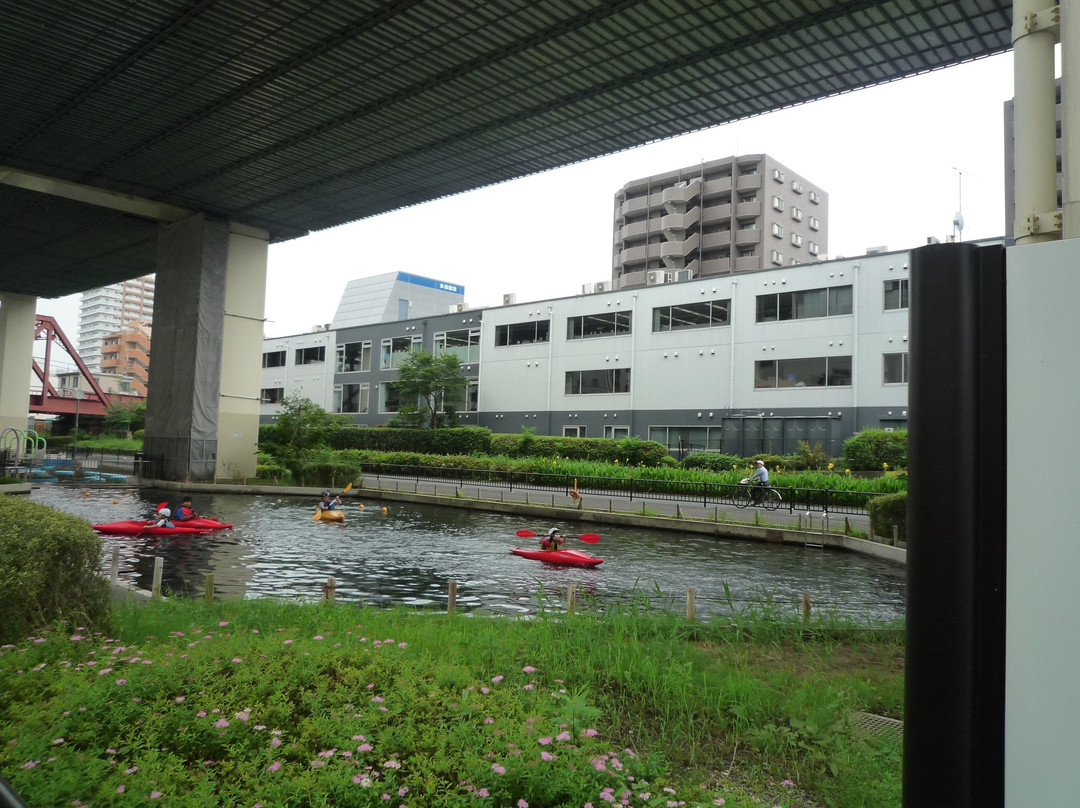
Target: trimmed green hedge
(453,441)
(627,451)
(889,510)
(871,449)
(50,570)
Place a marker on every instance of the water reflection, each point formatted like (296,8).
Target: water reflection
(411,553)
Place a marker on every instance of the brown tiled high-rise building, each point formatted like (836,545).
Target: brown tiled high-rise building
(729,215)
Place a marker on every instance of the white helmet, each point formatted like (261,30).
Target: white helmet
(552,532)
(165,512)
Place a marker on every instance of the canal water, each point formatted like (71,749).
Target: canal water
(408,554)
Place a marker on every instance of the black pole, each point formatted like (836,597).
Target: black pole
(954,714)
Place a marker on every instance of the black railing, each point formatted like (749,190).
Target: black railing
(704,493)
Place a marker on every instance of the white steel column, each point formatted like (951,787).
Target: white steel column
(17,315)
(1034,37)
(1070,118)
(241,368)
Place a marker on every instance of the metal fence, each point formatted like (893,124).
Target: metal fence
(703,493)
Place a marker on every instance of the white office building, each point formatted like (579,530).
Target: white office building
(108,310)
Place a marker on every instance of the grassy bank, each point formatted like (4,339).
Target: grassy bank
(257,703)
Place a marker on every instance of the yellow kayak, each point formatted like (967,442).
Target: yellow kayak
(330,516)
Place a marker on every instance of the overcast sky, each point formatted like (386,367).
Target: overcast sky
(897,161)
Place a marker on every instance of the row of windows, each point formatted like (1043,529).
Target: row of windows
(826,302)
(831,371)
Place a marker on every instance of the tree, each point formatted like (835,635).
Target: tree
(303,424)
(436,382)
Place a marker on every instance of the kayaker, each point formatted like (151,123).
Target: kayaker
(163,516)
(327,503)
(552,540)
(185,511)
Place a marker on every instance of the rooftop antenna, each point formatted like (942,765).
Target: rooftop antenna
(958,217)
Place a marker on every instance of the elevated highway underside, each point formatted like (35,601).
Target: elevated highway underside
(271,119)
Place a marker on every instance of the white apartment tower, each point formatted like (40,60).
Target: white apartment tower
(729,215)
(106,310)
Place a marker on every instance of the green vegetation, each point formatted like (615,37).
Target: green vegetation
(888,511)
(49,569)
(874,449)
(437,382)
(256,703)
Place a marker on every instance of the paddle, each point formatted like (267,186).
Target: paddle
(588,538)
(319,512)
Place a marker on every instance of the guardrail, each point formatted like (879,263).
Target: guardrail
(704,493)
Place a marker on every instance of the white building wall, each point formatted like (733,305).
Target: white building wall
(313,381)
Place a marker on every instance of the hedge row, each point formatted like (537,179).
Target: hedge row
(457,440)
(50,570)
(889,510)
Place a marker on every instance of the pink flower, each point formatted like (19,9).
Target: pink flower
(222,723)
(223,623)
(544,741)
(58,741)
(483,793)
(563,736)
(276,741)
(719,801)
(489,720)
(243,715)
(30,764)
(495,767)
(73,638)
(529,686)
(496,679)
(121,681)
(364,747)
(201,714)
(132,770)
(529,669)
(588,733)
(237,659)
(179,699)
(522,804)
(155,795)
(787,783)
(317,637)
(121,789)
(401,792)
(287,642)
(273,767)
(545,755)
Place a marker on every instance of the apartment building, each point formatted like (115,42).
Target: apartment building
(110,309)
(731,215)
(742,362)
(126,354)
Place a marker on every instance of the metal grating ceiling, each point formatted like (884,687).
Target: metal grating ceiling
(295,116)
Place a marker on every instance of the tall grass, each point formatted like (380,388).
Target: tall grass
(262,703)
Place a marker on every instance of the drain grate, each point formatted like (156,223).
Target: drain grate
(879,724)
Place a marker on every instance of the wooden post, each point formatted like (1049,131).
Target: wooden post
(526,497)
(690,603)
(805,606)
(800,521)
(329,591)
(643,507)
(209,588)
(451,598)
(610,506)
(114,573)
(571,599)
(895,534)
(159,565)
(847,526)
(678,511)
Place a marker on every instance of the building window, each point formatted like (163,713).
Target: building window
(777,203)
(522,333)
(809,303)
(778,230)
(796,213)
(616,432)
(351,398)
(389,399)
(463,343)
(589,382)
(353,356)
(812,248)
(895,367)
(821,371)
(272,395)
(703,314)
(573,432)
(778,175)
(605,324)
(310,356)
(815,197)
(815,223)
(796,239)
(777,257)
(472,397)
(896,294)
(274,359)
(796,186)
(394,351)
(795,262)
(747,252)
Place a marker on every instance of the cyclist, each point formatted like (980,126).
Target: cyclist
(760,478)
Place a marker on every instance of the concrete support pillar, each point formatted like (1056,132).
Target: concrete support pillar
(1034,37)
(1070,119)
(202,411)
(17,314)
(241,361)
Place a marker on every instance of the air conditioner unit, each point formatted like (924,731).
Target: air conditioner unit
(603,286)
(684,275)
(588,288)
(655,276)
(457,307)
(510,299)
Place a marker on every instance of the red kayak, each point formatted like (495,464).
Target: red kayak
(139,528)
(202,523)
(572,558)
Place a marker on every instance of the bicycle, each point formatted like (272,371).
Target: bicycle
(770,498)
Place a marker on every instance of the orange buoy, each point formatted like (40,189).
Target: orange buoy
(116,502)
